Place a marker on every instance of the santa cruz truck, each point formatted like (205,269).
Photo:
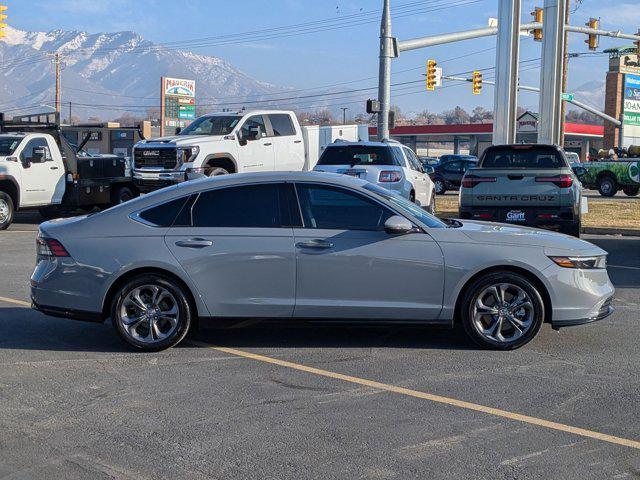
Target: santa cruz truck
(40,170)
(611,176)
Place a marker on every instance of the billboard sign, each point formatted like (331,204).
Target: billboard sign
(178,102)
(631,111)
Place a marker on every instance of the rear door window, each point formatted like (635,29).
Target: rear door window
(267,205)
(523,157)
(357,155)
(281,124)
(163,215)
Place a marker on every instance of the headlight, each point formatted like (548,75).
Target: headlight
(187,154)
(597,261)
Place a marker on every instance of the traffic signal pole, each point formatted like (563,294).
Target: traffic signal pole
(384,73)
(551,72)
(505,100)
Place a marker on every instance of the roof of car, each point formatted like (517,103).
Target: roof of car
(345,143)
(198,185)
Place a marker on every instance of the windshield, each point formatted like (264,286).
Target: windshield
(523,157)
(406,206)
(8,145)
(357,155)
(222,125)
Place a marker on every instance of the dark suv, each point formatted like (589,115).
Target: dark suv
(448,172)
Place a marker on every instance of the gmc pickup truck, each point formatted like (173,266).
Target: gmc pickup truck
(523,184)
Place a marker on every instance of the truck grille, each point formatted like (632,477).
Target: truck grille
(164,157)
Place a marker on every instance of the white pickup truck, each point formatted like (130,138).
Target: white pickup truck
(223,143)
(40,170)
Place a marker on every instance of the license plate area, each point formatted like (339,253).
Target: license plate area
(353,173)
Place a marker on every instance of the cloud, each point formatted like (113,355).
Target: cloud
(622,15)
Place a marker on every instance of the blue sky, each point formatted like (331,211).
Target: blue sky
(335,55)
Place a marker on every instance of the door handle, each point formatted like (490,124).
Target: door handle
(297,141)
(53,168)
(194,243)
(317,244)
(267,144)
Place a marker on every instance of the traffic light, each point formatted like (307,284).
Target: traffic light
(592,41)
(431,74)
(3,16)
(476,82)
(373,106)
(538,15)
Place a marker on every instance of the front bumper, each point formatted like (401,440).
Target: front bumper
(603,312)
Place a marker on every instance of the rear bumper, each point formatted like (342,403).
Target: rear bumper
(533,216)
(95,317)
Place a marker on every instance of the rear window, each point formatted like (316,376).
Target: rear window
(357,155)
(163,215)
(524,157)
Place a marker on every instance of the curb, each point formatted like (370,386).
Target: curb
(625,232)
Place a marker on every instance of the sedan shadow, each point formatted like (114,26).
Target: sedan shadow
(24,329)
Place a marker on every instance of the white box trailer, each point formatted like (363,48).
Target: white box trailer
(316,139)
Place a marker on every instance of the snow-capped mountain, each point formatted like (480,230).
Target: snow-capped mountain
(108,74)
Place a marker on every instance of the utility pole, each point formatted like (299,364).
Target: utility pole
(551,72)
(384,73)
(565,72)
(344,115)
(56,60)
(70,114)
(505,99)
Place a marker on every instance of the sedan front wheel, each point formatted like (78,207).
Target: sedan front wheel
(502,311)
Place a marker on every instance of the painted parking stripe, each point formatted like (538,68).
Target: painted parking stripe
(428,396)
(15,302)
(518,417)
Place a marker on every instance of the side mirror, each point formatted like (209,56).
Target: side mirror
(178,130)
(241,140)
(580,171)
(254,133)
(398,225)
(39,155)
(428,169)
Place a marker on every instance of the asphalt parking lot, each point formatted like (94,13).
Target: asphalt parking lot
(286,401)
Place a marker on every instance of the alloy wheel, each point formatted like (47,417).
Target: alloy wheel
(4,211)
(149,314)
(439,186)
(503,312)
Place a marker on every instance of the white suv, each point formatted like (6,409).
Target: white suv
(221,143)
(388,164)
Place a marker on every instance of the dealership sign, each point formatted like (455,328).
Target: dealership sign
(178,102)
(631,111)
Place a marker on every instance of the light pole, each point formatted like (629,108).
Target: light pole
(344,115)
(384,73)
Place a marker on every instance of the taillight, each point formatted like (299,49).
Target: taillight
(389,176)
(562,181)
(50,247)
(470,181)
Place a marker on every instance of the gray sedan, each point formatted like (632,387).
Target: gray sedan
(310,246)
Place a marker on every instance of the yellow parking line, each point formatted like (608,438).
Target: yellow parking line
(429,396)
(409,392)
(15,302)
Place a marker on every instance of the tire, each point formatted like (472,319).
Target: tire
(49,213)
(630,191)
(215,171)
(7,210)
(432,204)
(507,335)
(607,186)
(172,300)
(122,194)
(440,186)
(574,229)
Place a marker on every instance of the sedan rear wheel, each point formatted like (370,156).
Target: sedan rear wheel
(502,310)
(151,313)
(440,186)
